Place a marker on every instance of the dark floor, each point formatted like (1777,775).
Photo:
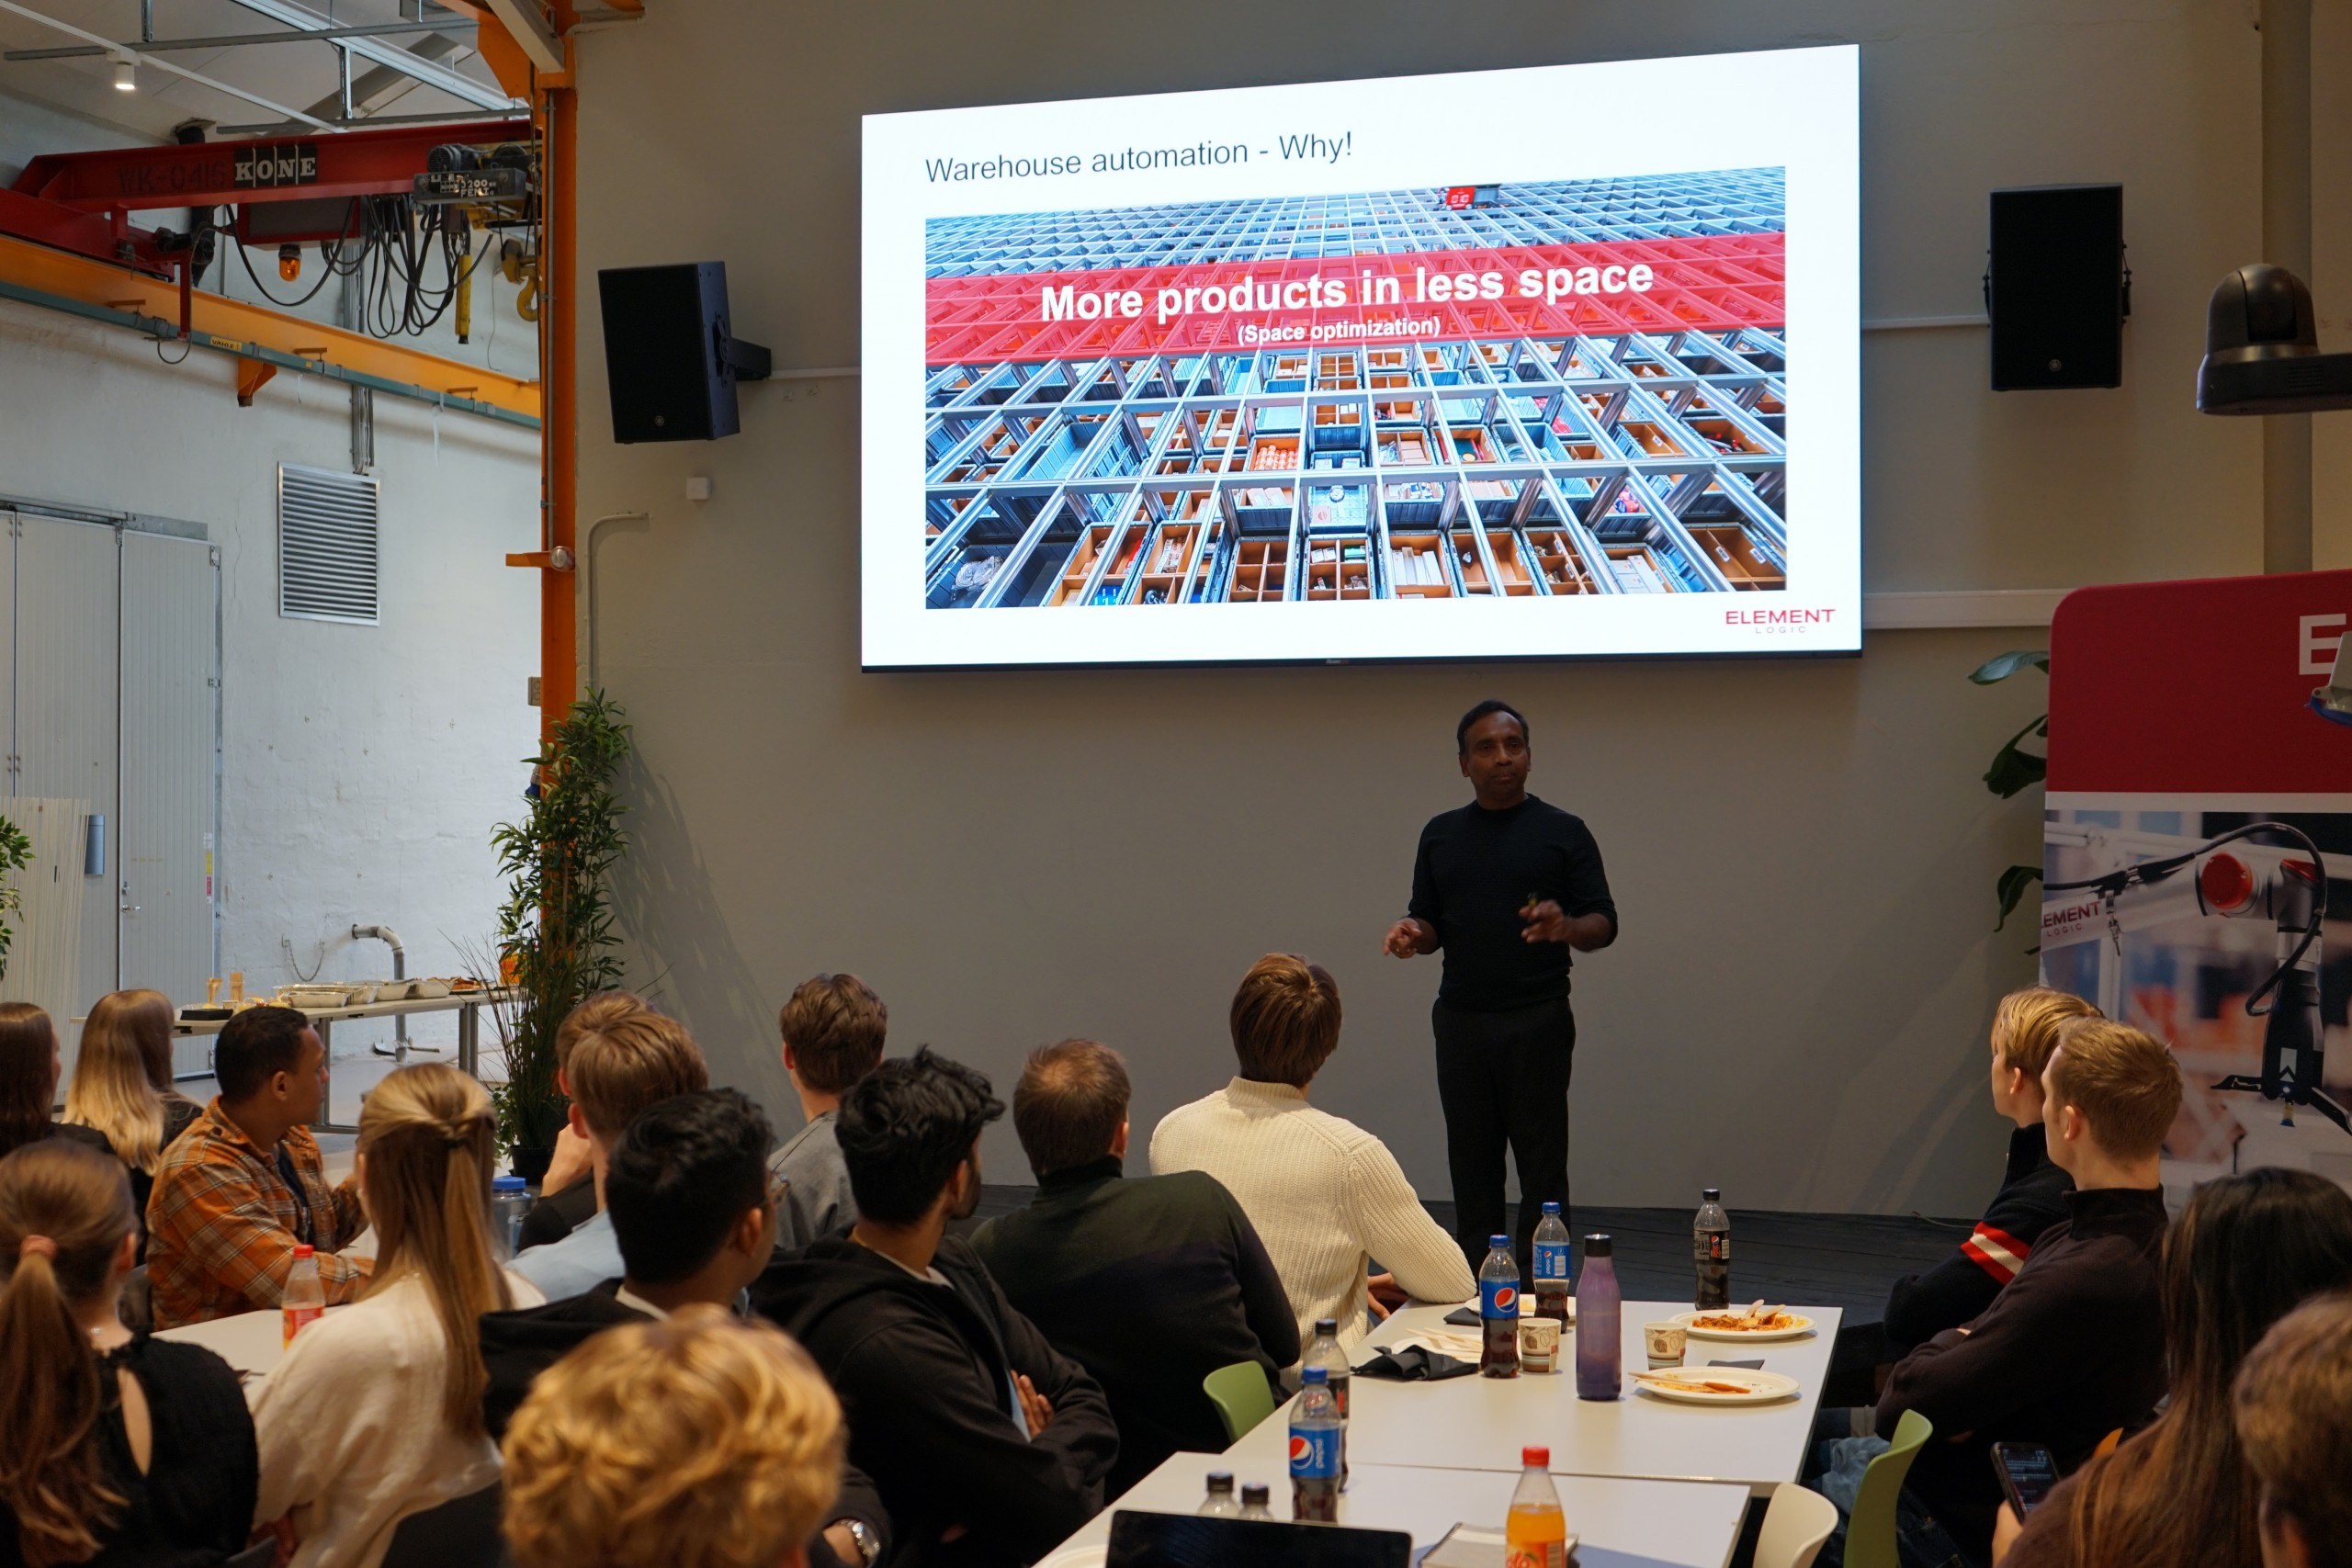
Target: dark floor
(1840,1260)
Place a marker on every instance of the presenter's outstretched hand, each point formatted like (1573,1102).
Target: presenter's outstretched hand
(1407,938)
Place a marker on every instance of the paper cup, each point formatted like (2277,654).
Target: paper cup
(1539,1345)
(1665,1343)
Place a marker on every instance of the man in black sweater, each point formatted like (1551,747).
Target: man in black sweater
(2033,1190)
(1507,885)
(988,1447)
(2073,1346)
(1152,1283)
(696,1219)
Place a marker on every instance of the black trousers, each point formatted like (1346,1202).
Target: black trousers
(1502,1078)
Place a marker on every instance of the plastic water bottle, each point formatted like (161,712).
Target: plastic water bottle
(1325,1352)
(510,1200)
(1551,1266)
(1498,1310)
(1315,1434)
(1536,1533)
(1254,1500)
(1219,1503)
(1600,1333)
(1711,1251)
(305,1300)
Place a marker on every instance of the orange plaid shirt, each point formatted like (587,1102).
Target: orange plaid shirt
(223,1223)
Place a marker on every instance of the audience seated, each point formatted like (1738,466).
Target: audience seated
(567,1190)
(245,1184)
(114,1092)
(376,1412)
(2033,1190)
(989,1446)
(700,1441)
(692,1209)
(30,1065)
(2246,1251)
(2073,1348)
(2293,1405)
(1151,1285)
(833,1027)
(617,1068)
(1325,1196)
(114,1448)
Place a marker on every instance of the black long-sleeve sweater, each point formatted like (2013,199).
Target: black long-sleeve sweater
(2032,1198)
(2071,1350)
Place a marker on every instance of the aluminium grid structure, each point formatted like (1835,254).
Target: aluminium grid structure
(1528,463)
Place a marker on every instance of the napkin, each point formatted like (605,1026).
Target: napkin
(1415,1363)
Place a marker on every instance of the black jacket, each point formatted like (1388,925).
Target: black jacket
(557,1213)
(2071,1350)
(2033,1199)
(1153,1284)
(518,1346)
(924,1373)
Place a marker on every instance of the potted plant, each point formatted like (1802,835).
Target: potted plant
(555,931)
(16,854)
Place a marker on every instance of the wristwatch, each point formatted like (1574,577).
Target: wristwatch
(868,1547)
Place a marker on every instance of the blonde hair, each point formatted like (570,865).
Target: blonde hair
(427,1135)
(598,1011)
(115,1088)
(622,1067)
(2026,1026)
(701,1442)
(2124,1082)
(52,1476)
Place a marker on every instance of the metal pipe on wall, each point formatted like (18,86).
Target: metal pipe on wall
(2287,241)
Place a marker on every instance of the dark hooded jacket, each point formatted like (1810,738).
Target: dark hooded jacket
(924,1372)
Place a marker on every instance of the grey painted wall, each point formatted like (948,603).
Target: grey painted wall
(1803,854)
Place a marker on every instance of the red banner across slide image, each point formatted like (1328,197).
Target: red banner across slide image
(1652,286)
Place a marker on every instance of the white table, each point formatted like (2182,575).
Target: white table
(252,1342)
(1691,1523)
(1476,1423)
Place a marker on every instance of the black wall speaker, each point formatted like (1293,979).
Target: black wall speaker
(2057,289)
(669,357)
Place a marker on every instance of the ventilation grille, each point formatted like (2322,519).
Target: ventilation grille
(327,555)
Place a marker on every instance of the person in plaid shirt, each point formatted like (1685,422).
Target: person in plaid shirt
(245,1184)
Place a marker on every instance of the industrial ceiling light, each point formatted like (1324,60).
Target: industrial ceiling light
(126,75)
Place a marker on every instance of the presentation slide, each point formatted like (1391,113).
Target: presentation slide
(1537,363)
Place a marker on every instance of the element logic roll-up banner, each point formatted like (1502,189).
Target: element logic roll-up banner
(2198,853)
(1535,363)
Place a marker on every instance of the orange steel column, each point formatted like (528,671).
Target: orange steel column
(558,271)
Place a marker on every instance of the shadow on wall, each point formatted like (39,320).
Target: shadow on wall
(663,898)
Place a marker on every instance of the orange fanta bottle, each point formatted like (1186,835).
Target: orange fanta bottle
(1537,1535)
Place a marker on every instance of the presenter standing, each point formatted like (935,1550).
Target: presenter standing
(1507,885)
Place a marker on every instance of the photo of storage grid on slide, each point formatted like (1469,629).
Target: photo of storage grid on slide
(1544,389)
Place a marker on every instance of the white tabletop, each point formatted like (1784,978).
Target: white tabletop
(450,1003)
(252,1342)
(1477,1423)
(1691,1523)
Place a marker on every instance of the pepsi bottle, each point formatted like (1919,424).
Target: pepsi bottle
(1498,1310)
(1552,1267)
(1314,1450)
(1324,1351)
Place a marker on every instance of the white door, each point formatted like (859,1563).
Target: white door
(171,668)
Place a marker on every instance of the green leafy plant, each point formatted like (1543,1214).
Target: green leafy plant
(2014,770)
(555,931)
(16,854)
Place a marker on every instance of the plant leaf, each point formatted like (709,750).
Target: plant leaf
(2011,888)
(2000,667)
(2013,770)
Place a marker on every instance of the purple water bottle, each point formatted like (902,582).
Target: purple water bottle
(1600,1335)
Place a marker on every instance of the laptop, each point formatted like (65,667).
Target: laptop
(1188,1541)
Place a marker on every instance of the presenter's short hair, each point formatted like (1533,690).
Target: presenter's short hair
(1285,1020)
(2124,1082)
(2025,1025)
(835,1025)
(2293,1407)
(701,1440)
(1069,1105)
(1492,705)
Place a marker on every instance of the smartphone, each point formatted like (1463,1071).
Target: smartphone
(2028,1471)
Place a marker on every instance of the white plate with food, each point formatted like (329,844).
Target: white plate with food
(1715,1385)
(1757,1322)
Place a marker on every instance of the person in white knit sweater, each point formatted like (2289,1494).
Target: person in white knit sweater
(376,1412)
(1325,1196)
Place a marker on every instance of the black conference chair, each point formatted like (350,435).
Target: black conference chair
(460,1533)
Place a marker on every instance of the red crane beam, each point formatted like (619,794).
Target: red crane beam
(217,173)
